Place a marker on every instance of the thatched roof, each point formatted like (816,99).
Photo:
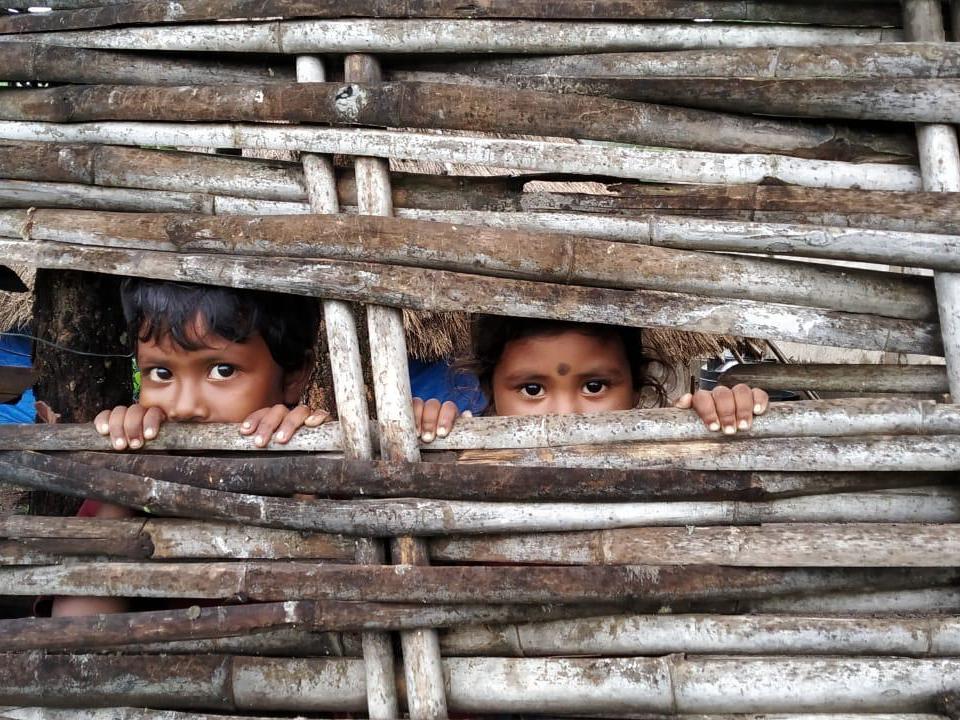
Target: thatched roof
(16,308)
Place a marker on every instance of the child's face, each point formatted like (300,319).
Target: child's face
(223,381)
(569,372)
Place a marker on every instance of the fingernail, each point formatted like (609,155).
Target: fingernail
(280,435)
(427,437)
(714,426)
(757,409)
(467,413)
(119,444)
(103,429)
(135,444)
(149,433)
(743,425)
(246,426)
(442,431)
(258,440)
(729,430)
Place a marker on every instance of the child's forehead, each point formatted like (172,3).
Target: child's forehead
(570,346)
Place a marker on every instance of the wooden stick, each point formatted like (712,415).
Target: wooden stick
(926,602)
(286,475)
(39,713)
(299,37)
(821,418)
(500,253)
(438,517)
(443,290)
(657,165)
(840,377)
(486,685)
(51,538)
(940,166)
(709,635)
(291,580)
(773,545)
(126,13)
(497,110)
(878,61)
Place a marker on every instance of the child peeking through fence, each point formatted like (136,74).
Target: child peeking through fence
(544,367)
(209,354)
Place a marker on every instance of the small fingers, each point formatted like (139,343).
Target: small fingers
(685,402)
(118,438)
(152,420)
(269,422)
(743,399)
(428,421)
(316,418)
(133,426)
(761,401)
(417,413)
(726,408)
(702,401)
(291,423)
(251,421)
(102,422)
(448,416)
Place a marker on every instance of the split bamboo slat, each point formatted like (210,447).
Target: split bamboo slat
(777,170)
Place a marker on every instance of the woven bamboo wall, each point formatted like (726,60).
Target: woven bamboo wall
(660,171)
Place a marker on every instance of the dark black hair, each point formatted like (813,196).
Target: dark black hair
(155,309)
(491,333)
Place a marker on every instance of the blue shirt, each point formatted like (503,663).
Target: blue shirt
(438,380)
(15,351)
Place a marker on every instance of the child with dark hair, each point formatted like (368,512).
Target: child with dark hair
(529,366)
(208,354)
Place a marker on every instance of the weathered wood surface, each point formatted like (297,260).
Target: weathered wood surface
(31,540)
(659,685)
(884,60)
(705,634)
(901,454)
(439,290)
(160,628)
(767,545)
(387,36)
(150,12)
(439,517)
(840,377)
(286,475)
(37,62)
(649,165)
(793,420)
(478,109)
(550,257)
(937,601)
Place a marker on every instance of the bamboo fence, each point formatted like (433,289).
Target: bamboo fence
(768,174)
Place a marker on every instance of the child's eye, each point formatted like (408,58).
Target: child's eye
(222,371)
(532,390)
(593,387)
(159,374)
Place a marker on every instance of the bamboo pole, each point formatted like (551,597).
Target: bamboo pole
(649,165)
(929,601)
(774,545)
(490,110)
(793,420)
(940,165)
(840,378)
(626,635)
(426,697)
(552,257)
(673,684)
(126,13)
(873,238)
(439,290)
(350,391)
(32,62)
(37,713)
(877,61)
(376,36)
(286,475)
(48,538)
(646,586)
(438,517)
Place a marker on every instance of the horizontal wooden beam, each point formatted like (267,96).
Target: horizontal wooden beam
(840,377)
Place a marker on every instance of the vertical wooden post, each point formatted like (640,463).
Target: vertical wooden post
(347,369)
(940,167)
(426,696)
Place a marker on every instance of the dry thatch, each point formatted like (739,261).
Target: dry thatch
(16,309)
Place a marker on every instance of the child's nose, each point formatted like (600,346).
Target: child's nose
(188,405)
(563,404)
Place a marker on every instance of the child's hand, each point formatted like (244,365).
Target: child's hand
(279,423)
(730,409)
(129,426)
(434,419)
